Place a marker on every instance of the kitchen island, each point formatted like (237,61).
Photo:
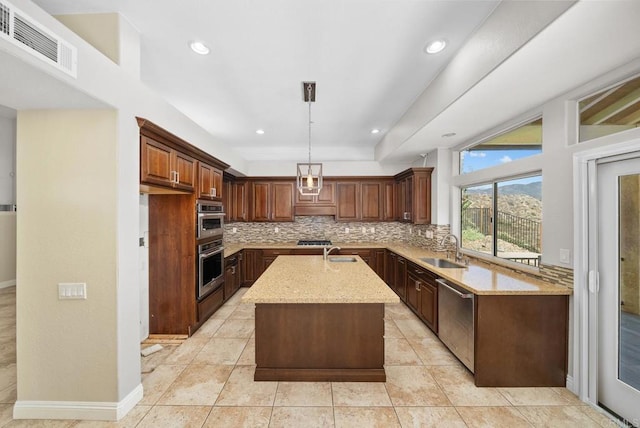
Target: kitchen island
(320,320)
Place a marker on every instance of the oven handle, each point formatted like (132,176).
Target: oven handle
(461,295)
(211,253)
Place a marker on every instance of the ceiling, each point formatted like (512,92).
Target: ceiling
(367,57)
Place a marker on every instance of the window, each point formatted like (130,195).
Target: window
(504,219)
(610,111)
(521,142)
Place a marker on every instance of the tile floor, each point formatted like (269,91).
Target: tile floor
(207,381)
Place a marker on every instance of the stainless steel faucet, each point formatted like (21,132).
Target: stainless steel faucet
(458,255)
(326,251)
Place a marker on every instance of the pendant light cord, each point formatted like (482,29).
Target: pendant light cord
(309,102)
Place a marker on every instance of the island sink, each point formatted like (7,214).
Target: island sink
(342,259)
(442,263)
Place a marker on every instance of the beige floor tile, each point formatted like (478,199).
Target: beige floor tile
(187,351)
(300,394)
(245,311)
(40,423)
(398,352)
(537,397)
(131,420)
(600,416)
(197,385)
(8,375)
(238,417)
(157,382)
(391,330)
(572,399)
(397,311)
(9,394)
(452,375)
(220,351)
(414,386)
(470,395)
(440,417)
(248,356)
(414,329)
(308,417)
(433,353)
(209,328)
(151,361)
(242,390)
(557,416)
(224,311)
(360,394)
(6,414)
(370,417)
(175,417)
(492,417)
(8,352)
(235,329)
(236,299)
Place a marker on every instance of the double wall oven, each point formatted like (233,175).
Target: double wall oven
(209,233)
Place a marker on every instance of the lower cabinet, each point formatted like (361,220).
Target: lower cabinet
(209,305)
(252,266)
(232,276)
(422,295)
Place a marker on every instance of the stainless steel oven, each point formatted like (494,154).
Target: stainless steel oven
(210,267)
(210,219)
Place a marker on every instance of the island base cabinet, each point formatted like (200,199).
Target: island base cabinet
(521,341)
(320,342)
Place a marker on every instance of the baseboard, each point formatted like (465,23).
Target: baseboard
(570,384)
(78,410)
(6,284)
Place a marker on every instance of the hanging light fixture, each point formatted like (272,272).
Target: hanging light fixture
(309,175)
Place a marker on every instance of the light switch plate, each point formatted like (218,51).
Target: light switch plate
(565,256)
(72,290)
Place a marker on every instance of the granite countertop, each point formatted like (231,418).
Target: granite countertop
(310,279)
(479,277)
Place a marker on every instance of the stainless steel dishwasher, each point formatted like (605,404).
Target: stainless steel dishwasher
(455,321)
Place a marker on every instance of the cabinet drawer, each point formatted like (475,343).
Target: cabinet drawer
(272,253)
(210,304)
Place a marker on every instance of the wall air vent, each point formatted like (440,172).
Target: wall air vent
(23,31)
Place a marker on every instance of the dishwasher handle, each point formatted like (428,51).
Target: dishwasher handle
(461,295)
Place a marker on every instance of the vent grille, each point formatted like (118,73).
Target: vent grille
(23,31)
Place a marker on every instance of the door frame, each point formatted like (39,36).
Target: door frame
(585,331)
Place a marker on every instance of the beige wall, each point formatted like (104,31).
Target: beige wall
(67,223)
(99,29)
(7,249)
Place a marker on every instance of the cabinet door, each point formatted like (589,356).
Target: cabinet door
(401,277)
(218,188)
(347,195)
(327,194)
(240,201)
(227,201)
(185,167)
(401,197)
(205,181)
(260,210)
(390,269)
(155,163)
(378,262)
(413,285)
(282,202)
(389,201)
(229,288)
(428,305)
(371,200)
(422,198)
(252,265)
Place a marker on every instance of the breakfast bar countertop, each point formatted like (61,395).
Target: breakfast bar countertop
(310,279)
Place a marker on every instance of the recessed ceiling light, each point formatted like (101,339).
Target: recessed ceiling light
(435,46)
(260,131)
(449,134)
(375,131)
(199,48)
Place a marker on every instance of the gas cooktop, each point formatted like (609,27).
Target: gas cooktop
(314,242)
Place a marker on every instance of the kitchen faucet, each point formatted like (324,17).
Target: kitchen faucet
(326,251)
(455,238)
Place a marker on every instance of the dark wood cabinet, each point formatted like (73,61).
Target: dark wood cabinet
(209,182)
(422,295)
(161,165)
(322,204)
(268,256)
(347,197)
(389,201)
(390,269)
(413,195)
(252,265)
(378,262)
(232,277)
(236,200)
(413,287)
(401,277)
(371,200)
(271,201)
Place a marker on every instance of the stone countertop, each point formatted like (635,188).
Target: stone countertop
(479,277)
(310,279)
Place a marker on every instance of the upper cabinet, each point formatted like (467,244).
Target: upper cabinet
(413,195)
(209,182)
(164,166)
(321,204)
(271,201)
(370,199)
(168,164)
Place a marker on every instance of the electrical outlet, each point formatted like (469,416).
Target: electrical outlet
(364,230)
(276,229)
(419,234)
(234,230)
(372,230)
(429,234)
(72,290)
(346,230)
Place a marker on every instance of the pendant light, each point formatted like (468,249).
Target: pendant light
(309,175)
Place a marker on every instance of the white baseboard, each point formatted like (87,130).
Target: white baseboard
(82,410)
(570,385)
(6,284)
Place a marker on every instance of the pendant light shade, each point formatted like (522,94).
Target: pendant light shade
(309,175)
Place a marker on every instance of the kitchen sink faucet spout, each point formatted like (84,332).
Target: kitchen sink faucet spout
(326,251)
(458,255)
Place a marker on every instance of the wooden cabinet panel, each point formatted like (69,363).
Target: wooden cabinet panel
(428,305)
(422,199)
(347,201)
(414,195)
(209,182)
(401,277)
(327,194)
(240,201)
(371,200)
(155,163)
(413,285)
(217,184)
(390,269)
(252,265)
(282,202)
(185,167)
(260,210)
(378,262)
(389,201)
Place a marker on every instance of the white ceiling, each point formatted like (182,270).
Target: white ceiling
(366,56)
